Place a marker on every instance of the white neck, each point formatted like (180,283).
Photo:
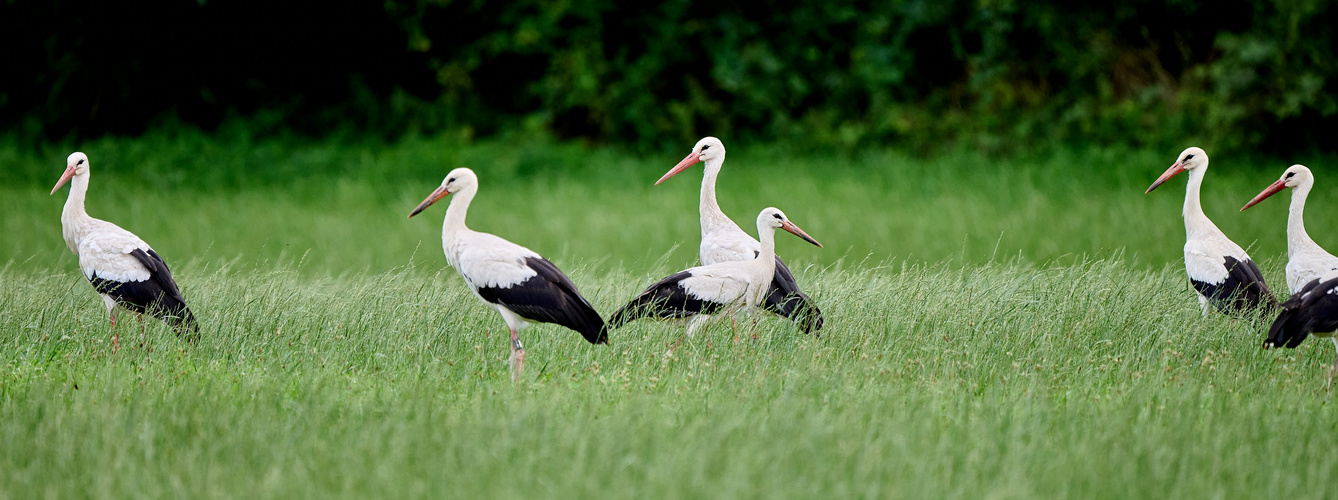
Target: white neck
(74,220)
(455,213)
(711,215)
(1196,222)
(1297,239)
(767,235)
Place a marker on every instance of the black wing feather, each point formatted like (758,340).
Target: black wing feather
(550,297)
(785,298)
(665,299)
(1314,309)
(1244,289)
(157,296)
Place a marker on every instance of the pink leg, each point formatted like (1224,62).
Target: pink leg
(517,356)
(116,335)
(1328,385)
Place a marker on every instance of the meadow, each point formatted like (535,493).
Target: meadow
(997,327)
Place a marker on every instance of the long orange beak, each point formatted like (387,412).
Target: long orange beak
(69,173)
(1270,191)
(440,193)
(691,160)
(793,229)
(1170,172)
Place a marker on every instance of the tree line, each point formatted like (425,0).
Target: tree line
(922,74)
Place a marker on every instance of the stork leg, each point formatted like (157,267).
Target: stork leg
(1328,385)
(111,312)
(116,334)
(517,356)
(678,342)
(696,322)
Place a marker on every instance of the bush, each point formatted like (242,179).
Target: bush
(925,75)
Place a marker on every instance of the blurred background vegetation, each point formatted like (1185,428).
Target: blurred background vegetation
(921,75)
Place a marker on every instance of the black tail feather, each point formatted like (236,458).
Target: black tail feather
(785,298)
(590,324)
(665,299)
(1313,309)
(177,315)
(1283,332)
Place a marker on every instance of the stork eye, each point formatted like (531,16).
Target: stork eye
(1189,157)
(1290,174)
(777,216)
(705,147)
(451,180)
(81,162)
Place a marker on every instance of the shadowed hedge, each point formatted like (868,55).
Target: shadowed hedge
(921,74)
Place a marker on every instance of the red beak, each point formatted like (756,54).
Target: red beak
(69,173)
(1170,172)
(692,159)
(793,229)
(440,193)
(1270,191)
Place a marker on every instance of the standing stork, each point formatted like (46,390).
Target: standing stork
(1218,268)
(119,265)
(722,287)
(522,286)
(1306,261)
(724,241)
(1311,311)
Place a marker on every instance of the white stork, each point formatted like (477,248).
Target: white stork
(119,265)
(722,287)
(724,241)
(1306,261)
(1311,311)
(522,286)
(1218,268)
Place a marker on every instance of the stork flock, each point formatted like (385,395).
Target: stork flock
(739,273)
(1227,279)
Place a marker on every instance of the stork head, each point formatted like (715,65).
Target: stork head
(1294,176)
(76,164)
(1190,159)
(772,218)
(458,180)
(707,149)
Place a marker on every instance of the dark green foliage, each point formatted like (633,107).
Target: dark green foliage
(921,74)
(917,72)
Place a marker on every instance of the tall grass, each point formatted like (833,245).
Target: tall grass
(995,328)
(1087,379)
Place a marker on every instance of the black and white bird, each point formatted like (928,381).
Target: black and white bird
(720,288)
(119,265)
(1306,260)
(522,286)
(1313,310)
(1218,268)
(724,241)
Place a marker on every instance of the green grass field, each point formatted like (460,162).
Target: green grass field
(997,328)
